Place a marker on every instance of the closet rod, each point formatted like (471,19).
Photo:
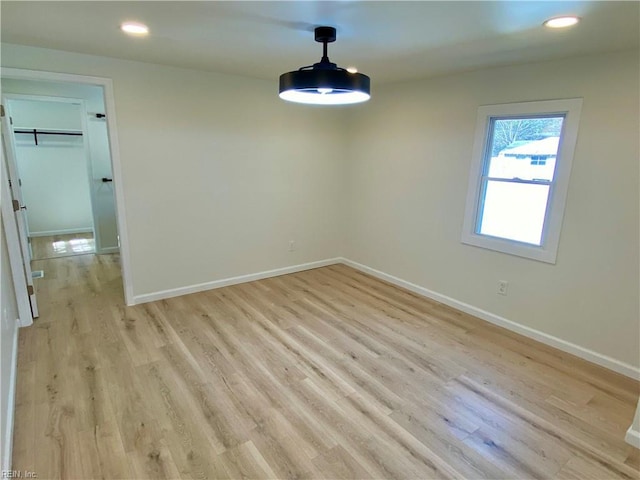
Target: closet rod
(35,132)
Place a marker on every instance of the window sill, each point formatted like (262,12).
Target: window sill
(511,247)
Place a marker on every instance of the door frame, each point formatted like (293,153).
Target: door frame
(10,170)
(10,224)
(12,166)
(6,100)
(116,166)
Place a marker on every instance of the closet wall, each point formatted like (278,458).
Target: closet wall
(54,173)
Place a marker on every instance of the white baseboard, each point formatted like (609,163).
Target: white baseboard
(582,352)
(50,233)
(225,282)
(632,437)
(594,357)
(11,405)
(107,250)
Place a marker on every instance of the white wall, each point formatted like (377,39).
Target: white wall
(8,351)
(54,173)
(45,115)
(218,173)
(408,171)
(104,214)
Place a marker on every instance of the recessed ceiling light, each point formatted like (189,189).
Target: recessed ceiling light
(134,28)
(562,22)
(352,70)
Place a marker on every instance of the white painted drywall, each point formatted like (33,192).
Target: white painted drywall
(8,352)
(103,195)
(409,160)
(54,173)
(218,173)
(45,115)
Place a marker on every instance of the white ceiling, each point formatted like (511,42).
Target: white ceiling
(387,40)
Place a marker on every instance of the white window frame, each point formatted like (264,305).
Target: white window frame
(547,251)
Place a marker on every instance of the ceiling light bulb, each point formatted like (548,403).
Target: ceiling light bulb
(315,98)
(562,22)
(325,90)
(352,70)
(134,28)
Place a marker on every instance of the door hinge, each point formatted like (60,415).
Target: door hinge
(30,290)
(16,205)
(1,110)
(20,182)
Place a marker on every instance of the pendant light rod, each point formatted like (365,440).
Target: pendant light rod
(325,35)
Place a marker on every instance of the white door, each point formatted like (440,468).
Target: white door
(8,148)
(102,189)
(12,165)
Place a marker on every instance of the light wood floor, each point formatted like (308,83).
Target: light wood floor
(55,246)
(327,373)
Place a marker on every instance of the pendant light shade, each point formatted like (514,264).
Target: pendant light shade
(324,83)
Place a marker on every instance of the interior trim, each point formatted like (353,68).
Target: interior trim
(11,405)
(556,342)
(568,347)
(632,437)
(225,282)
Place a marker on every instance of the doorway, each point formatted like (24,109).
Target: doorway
(54,166)
(95,223)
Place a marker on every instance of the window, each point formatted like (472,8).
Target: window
(519,177)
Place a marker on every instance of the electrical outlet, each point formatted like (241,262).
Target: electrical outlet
(503,285)
(292,245)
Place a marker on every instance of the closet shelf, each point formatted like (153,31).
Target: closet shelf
(46,131)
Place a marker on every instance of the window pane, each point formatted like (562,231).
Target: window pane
(514,211)
(524,148)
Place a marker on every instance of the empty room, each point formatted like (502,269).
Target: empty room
(320,239)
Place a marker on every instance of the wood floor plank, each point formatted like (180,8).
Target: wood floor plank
(338,464)
(194,452)
(246,461)
(56,246)
(103,454)
(633,459)
(327,373)
(580,468)
(427,426)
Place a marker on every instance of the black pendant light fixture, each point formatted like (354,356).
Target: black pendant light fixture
(324,83)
